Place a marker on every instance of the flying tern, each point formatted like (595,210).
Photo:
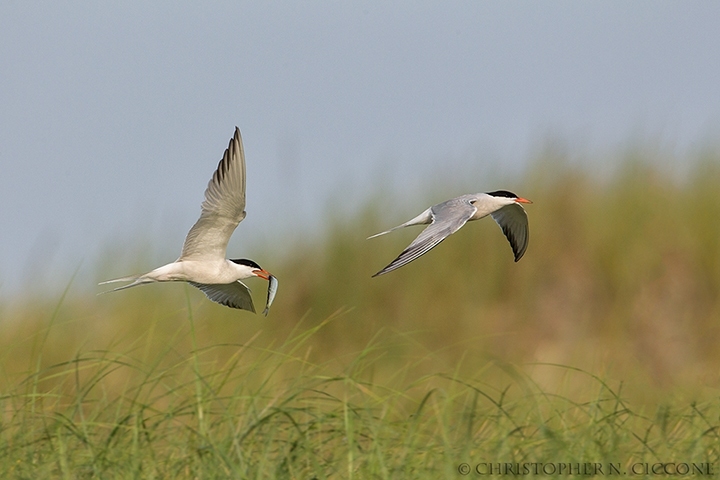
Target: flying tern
(202,262)
(448,217)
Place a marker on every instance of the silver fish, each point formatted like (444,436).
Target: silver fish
(272,290)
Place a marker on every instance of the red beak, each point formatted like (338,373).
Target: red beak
(522,200)
(264,274)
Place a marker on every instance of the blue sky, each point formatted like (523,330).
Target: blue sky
(114,114)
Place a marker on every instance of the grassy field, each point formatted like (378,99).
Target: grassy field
(600,348)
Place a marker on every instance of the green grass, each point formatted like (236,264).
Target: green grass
(272,413)
(599,346)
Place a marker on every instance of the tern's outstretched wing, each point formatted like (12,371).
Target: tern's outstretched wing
(514,223)
(233,295)
(447,218)
(223,208)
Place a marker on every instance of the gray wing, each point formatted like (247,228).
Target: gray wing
(514,223)
(447,218)
(223,208)
(233,295)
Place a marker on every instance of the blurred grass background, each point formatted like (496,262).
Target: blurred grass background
(614,310)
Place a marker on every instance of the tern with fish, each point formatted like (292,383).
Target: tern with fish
(202,262)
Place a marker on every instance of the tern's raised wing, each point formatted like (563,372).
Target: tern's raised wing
(447,218)
(233,295)
(223,208)
(514,223)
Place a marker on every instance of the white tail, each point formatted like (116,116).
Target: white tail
(135,282)
(122,279)
(423,219)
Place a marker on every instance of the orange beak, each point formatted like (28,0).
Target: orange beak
(264,274)
(522,200)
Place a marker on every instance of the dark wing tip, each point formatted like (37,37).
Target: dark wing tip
(223,167)
(410,254)
(222,298)
(518,246)
(512,220)
(394,265)
(230,304)
(400,261)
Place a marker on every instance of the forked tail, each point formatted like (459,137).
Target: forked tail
(134,279)
(423,219)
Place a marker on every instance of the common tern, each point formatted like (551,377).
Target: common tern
(448,217)
(202,262)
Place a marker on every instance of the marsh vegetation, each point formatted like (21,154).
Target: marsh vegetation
(600,345)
